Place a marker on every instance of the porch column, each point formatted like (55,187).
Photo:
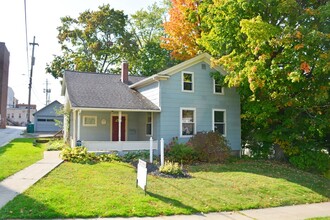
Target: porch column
(78,125)
(74,133)
(119,126)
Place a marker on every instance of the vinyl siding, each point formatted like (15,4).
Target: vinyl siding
(203,100)
(151,92)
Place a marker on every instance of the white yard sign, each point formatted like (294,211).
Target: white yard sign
(141,180)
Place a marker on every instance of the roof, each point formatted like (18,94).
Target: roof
(47,106)
(204,57)
(104,91)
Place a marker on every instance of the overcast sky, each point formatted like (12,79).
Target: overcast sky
(43,17)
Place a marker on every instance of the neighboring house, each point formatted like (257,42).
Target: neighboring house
(47,118)
(121,112)
(17,115)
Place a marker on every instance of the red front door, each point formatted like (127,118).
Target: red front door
(115,128)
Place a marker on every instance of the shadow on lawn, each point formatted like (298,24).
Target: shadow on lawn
(173,202)
(272,169)
(15,141)
(24,207)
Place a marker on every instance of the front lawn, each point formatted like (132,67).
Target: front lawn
(108,189)
(17,155)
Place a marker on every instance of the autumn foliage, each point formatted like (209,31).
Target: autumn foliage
(182,29)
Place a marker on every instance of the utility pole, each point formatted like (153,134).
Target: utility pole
(47,91)
(30,83)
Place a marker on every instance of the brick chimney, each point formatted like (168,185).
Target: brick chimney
(124,72)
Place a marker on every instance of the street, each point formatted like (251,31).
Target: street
(10,133)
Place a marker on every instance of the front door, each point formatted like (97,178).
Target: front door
(115,128)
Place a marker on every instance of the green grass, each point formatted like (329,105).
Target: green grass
(108,189)
(17,155)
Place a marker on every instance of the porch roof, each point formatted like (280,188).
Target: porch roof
(104,91)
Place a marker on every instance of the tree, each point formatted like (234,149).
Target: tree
(182,30)
(277,54)
(96,41)
(146,27)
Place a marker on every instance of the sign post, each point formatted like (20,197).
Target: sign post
(141,179)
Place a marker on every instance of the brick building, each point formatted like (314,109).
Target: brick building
(4,69)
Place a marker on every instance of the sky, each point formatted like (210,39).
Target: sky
(43,17)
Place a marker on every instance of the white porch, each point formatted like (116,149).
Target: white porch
(119,145)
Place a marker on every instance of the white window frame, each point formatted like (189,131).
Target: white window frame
(89,116)
(192,81)
(224,120)
(195,123)
(151,124)
(214,91)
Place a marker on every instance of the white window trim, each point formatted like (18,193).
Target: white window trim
(218,93)
(195,123)
(224,119)
(192,81)
(152,121)
(90,125)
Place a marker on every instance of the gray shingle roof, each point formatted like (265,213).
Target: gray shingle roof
(97,90)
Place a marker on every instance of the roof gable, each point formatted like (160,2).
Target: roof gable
(49,109)
(204,57)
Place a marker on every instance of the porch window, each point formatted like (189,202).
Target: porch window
(188,122)
(89,121)
(217,88)
(187,81)
(149,124)
(219,121)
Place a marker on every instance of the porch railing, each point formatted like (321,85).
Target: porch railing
(119,145)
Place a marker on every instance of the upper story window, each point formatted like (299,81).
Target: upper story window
(149,124)
(90,121)
(219,121)
(187,81)
(188,122)
(217,87)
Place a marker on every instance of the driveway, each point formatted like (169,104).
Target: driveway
(10,133)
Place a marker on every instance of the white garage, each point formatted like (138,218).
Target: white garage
(45,119)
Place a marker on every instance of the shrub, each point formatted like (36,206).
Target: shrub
(210,146)
(108,157)
(180,152)
(311,160)
(134,156)
(171,168)
(78,155)
(55,145)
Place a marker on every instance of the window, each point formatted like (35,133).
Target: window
(41,119)
(219,121)
(89,121)
(149,124)
(12,115)
(8,115)
(217,87)
(19,115)
(187,82)
(188,122)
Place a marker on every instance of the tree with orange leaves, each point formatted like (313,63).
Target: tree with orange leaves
(182,30)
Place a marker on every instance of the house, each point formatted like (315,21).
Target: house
(122,112)
(17,114)
(47,118)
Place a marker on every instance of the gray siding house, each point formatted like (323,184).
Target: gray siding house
(121,112)
(45,118)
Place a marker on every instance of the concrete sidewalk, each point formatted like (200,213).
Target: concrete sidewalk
(297,212)
(22,180)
